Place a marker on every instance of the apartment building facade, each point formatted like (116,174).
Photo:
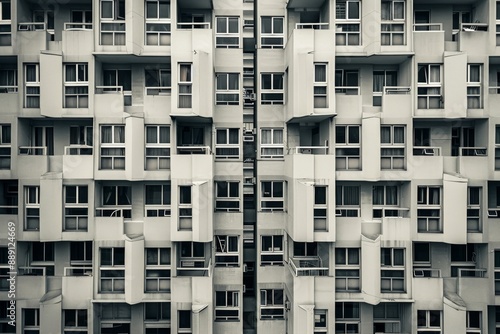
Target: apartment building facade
(239,166)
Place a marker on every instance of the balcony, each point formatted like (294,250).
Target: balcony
(348,102)
(473,37)
(427,285)
(32,38)
(427,162)
(396,101)
(473,285)
(308,150)
(194,267)
(308,266)
(157,100)
(31,282)
(473,162)
(108,227)
(77,38)
(33,161)
(78,162)
(9,98)
(77,284)
(127,95)
(429,42)
(109,104)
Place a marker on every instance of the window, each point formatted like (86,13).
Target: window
(42,256)
(385,200)
(4,319)
(347,268)
(428,321)
(157,200)
(118,81)
(157,270)
(32,86)
(157,22)
(227,91)
(271,250)
(112,270)
(393,25)
(474,209)
(497,271)
(80,140)
(305,249)
(348,18)
(271,143)
(75,321)
(272,89)
(192,249)
(429,209)
(320,86)
(157,317)
(8,74)
(43,140)
(112,147)
(386,318)
(421,254)
(227,196)
(31,321)
(474,79)
(112,22)
(32,208)
(5,146)
(473,322)
(392,273)
(227,32)
(115,318)
(348,147)
(76,215)
(226,251)
(227,143)
(80,19)
(272,196)
(185,208)
(185,86)
(227,306)
(158,81)
(272,304)
(271,34)
(320,209)
(429,86)
(347,82)
(76,86)
(347,201)
(463,260)
(116,201)
(157,147)
(320,321)
(5,23)
(184,321)
(347,318)
(81,257)
(382,79)
(392,151)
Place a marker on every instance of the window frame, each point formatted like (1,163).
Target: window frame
(117,149)
(273,256)
(164,208)
(227,96)
(272,95)
(78,207)
(227,36)
(228,148)
(78,326)
(185,85)
(429,90)
(272,39)
(34,92)
(320,87)
(225,257)
(387,270)
(279,148)
(346,210)
(230,311)
(347,153)
(347,273)
(392,152)
(30,206)
(157,151)
(220,199)
(158,272)
(77,84)
(426,211)
(474,88)
(273,306)
(115,269)
(273,200)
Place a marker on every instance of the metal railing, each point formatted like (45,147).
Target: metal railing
(77,26)
(308,266)
(189,266)
(465,272)
(77,271)
(427,27)
(390,212)
(32,150)
(427,151)
(473,151)
(476,26)
(315,26)
(308,150)
(194,149)
(157,90)
(78,150)
(8,89)
(193,25)
(31,26)
(347,90)
(494,213)
(391,90)
(31,271)
(426,272)
(113,212)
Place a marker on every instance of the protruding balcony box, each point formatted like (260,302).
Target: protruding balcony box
(31,282)
(51,217)
(396,228)
(397,102)
(32,162)
(348,102)
(157,105)
(31,38)
(78,162)
(303,49)
(77,285)
(109,228)
(306,171)
(473,285)
(370,253)
(427,287)
(157,228)
(426,163)
(473,162)
(229,220)
(373,227)
(9,99)
(109,104)
(429,44)
(473,38)
(348,228)
(77,38)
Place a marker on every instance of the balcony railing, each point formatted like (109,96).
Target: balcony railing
(194,267)
(8,89)
(32,150)
(8,209)
(427,27)
(494,89)
(113,212)
(390,212)
(473,151)
(78,150)
(194,149)
(427,151)
(31,26)
(193,25)
(308,266)
(426,272)
(31,271)
(77,271)
(315,26)
(347,90)
(494,213)
(308,150)
(474,27)
(400,90)
(157,90)
(77,26)
(464,272)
